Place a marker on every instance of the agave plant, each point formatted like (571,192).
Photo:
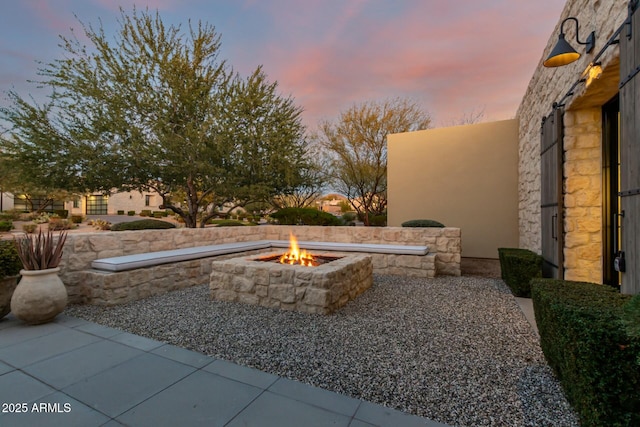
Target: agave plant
(40,252)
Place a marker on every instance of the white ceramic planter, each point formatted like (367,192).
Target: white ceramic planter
(39,297)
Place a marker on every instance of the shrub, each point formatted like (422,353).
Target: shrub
(304,216)
(131,213)
(145,212)
(120,212)
(61,224)
(10,263)
(378,220)
(61,213)
(100,224)
(11,215)
(77,219)
(160,214)
(518,267)
(142,224)
(584,338)
(42,218)
(6,225)
(228,223)
(348,216)
(29,227)
(422,223)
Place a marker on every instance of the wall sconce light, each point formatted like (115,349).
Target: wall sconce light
(563,53)
(593,72)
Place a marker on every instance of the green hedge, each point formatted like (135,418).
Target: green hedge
(10,263)
(228,223)
(142,224)
(585,337)
(422,223)
(6,225)
(518,267)
(62,213)
(304,216)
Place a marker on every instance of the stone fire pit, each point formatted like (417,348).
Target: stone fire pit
(322,289)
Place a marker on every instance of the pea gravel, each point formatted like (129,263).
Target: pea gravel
(457,350)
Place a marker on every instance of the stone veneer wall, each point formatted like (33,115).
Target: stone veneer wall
(582,136)
(583,195)
(322,289)
(81,249)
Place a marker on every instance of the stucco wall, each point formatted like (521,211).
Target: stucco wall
(462,176)
(549,85)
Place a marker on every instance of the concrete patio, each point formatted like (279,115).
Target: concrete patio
(79,373)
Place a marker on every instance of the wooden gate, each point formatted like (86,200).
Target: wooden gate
(630,152)
(551,207)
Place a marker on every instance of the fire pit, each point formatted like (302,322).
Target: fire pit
(296,280)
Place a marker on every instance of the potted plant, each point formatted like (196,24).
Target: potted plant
(40,296)
(9,268)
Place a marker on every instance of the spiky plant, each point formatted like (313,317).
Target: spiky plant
(42,251)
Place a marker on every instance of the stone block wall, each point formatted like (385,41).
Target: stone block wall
(583,195)
(549,85)
(82,248)
(321,289)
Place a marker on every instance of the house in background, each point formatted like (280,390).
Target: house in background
(98,204)
(91,204)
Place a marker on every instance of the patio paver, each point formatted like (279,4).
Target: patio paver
(76,373)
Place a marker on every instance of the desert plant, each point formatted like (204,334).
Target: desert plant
(77,219)
(10,263)
(6,225)
(61,224)
(422,223)
(99,224)
(142,224)
(29,227)
(42,251)
(61,213)
(43,218)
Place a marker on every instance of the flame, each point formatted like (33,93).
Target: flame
(296,256)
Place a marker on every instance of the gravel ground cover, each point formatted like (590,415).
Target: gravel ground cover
(457,350)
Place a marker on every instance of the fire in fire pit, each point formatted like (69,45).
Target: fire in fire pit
(295,256)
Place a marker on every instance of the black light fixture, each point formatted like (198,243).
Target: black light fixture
(563,53)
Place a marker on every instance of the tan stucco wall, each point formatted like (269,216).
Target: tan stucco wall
(462,176)
(549,85)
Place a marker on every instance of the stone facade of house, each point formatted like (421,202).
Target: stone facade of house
(583,136)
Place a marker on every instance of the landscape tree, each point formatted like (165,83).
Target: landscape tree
(356,144)
(155,109)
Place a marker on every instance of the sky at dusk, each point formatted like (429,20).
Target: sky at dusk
(453,58)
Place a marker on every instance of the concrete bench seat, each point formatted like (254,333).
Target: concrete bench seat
(356,247)
(150,259)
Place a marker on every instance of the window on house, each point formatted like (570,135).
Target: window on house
(76,203)
(147,200)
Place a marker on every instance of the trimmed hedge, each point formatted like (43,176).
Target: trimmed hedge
(142,224)
(304,216)
(422,223)
(228,223)
(62,213)
(586,340)
(518,267)
(10,263)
